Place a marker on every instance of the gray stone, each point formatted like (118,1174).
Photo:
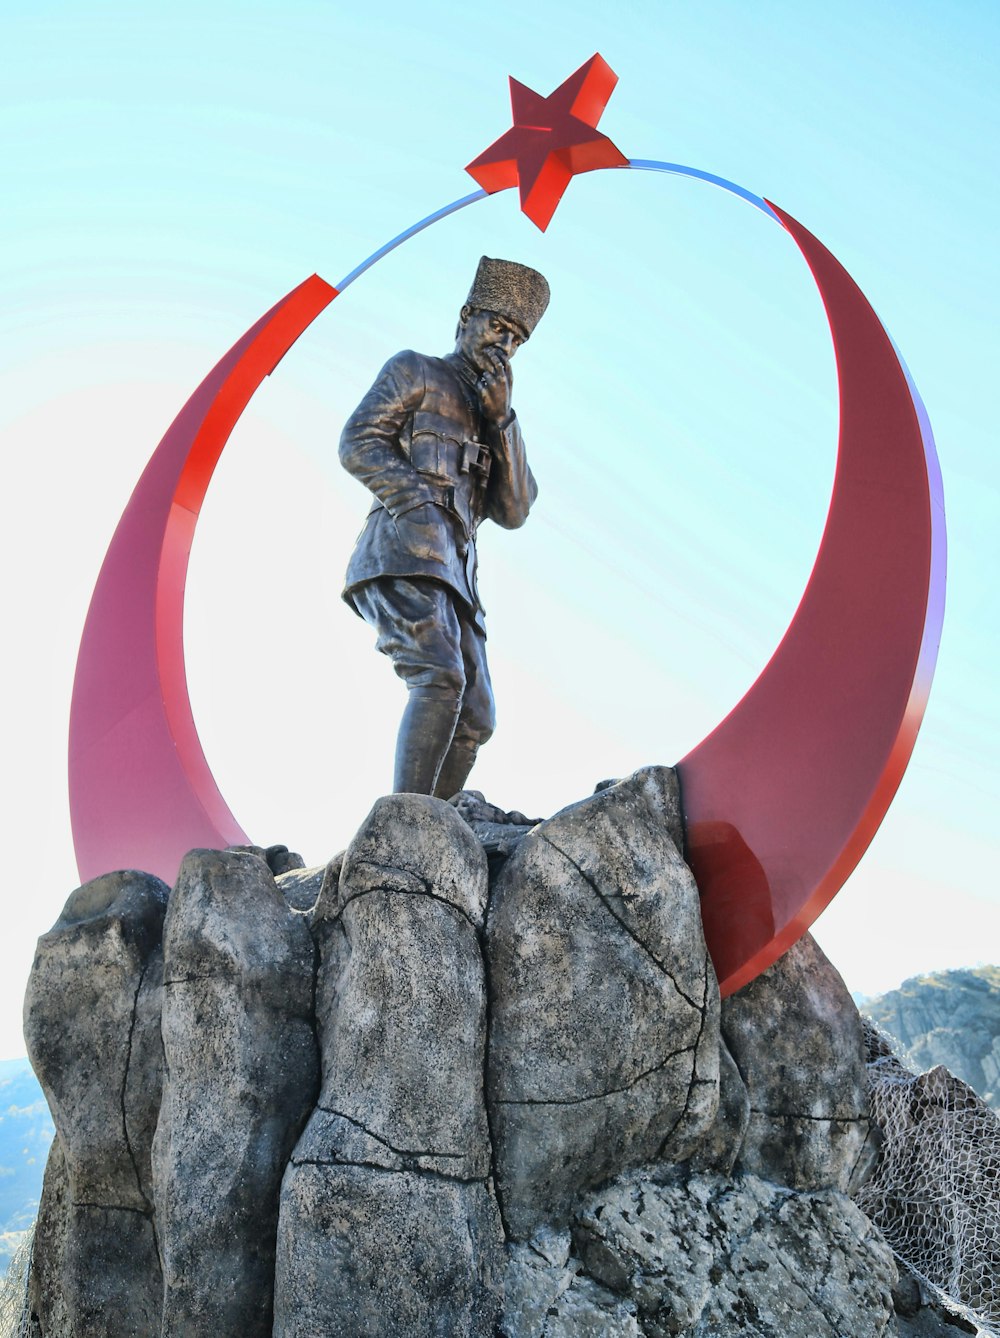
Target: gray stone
(920,1312)
(547,1295)
(279,859)
(388,1225)
(721,1146)
(301,887)
(94,1271)
(242,1075)
(796,1036)
(709,1257)
(282,860)
(604,1041)
(385,1253)
(47,1297)
(949,1018)
(91,1021)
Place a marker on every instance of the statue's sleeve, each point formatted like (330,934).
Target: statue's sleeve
(512,487)
(371,444)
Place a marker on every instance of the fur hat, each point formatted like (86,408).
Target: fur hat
(512,290)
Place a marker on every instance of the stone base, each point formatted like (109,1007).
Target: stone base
(471,1074)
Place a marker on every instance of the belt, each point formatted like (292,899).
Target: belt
(448,457)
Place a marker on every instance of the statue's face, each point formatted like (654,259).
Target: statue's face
(485,336)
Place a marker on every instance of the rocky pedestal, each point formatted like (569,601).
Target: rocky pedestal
(792,1025)
(604,1026)
(388,1222)
(241,1076)
(472,1078)
(92,1027)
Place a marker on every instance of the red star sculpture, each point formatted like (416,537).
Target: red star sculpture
(551,140)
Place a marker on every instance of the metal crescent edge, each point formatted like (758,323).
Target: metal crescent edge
(141,792)
(784,796)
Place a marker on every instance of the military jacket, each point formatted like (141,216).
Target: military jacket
(436,468)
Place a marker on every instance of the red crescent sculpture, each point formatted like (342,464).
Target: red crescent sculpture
(781,800)
(141,793)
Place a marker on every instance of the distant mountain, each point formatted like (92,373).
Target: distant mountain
(25,1134)
(950,1018)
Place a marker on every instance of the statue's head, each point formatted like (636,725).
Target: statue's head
(505,303)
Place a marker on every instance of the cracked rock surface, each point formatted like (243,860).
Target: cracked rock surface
(241,1078)
(604,1020)
(388,1225)
(797,1039)
(91,1024)
(706,1256)
(470,1078)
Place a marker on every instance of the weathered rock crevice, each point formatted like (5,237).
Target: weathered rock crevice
(370,1133)
(609,1091)
(606,900)
(425,891)
(388,1170)
(128,1071)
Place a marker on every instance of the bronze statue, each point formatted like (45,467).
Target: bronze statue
(436,441)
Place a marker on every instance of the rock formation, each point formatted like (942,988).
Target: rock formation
(949,1018)
(91,1022)
(604,1027)
(388,1222)
(471,1078)
(700,1255)
(794,1022)
(241,1076)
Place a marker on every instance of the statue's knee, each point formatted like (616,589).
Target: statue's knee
(443,682)
(477,721)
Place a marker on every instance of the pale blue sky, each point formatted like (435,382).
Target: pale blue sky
(169,172)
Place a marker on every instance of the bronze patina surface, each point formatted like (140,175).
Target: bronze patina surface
(435,440)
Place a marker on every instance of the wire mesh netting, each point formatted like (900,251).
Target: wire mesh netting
(935,1193)
(14,1310)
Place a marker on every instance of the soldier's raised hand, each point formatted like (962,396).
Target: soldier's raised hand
(494,386)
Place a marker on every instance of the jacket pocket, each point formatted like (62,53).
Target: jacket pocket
(423,532)
(425,453)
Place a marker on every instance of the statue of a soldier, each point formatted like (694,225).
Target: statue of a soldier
(437,443)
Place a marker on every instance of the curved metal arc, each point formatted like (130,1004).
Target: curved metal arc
(785,795)
(757,899)
(284,324)
(405,236)
(141,791)
(678,169)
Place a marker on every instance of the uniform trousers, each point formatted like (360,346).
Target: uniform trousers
(440,654)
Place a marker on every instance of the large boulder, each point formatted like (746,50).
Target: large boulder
(242,1074)
(388,1225)
(706,1256)
(796,1036)
(604,1025)
(92,1027)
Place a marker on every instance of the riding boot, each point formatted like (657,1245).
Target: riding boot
(455,768)
(424,739)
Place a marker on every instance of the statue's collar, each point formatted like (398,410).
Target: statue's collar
(465,369)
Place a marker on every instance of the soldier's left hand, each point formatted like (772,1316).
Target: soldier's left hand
(494,387)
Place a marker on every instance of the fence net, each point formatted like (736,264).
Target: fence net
(14,1312)
(935,1193)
